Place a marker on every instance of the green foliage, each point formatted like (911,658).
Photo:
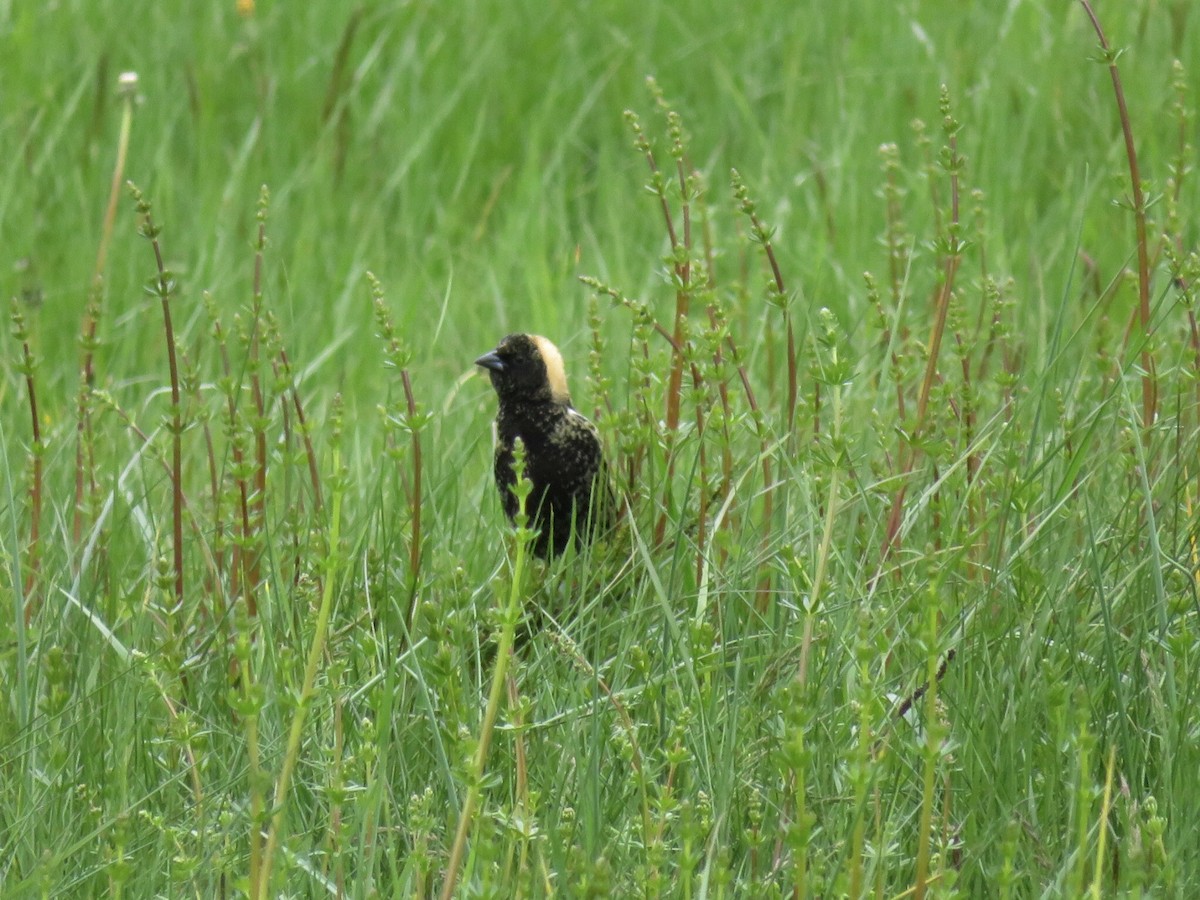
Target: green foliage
(905,592)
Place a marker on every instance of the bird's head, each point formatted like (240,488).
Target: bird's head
(526,368)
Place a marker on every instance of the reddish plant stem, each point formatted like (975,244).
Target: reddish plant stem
(683,271)
(681,263)
(1149,378)
(238,567)
(723,394)
(675,380)
(762,235)
(314,473)
(935,342)
(214,483)
(258,508)
(164,288)
(703,501)
(793,383)
(32,600)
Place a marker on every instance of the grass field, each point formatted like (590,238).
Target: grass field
(905,413)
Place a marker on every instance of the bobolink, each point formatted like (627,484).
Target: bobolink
(571,495)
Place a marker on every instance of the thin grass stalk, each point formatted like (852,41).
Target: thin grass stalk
(214,474)
(966,413)
(887,335)
(644,324)
(239,567)
(681,271)
(127,90)
(1096,891)
(516,597)
(163,287)
(703,500)
(601,387)
(859,762)
(954,257)
(250,707)
(937,331)
(283,373)
(200,539)
(289,438)
(804,820)
(522,771)
(895,236)
(411,419)
(759,427)
(337,795)
(335,90)
(336,95)
(880,840)
(1194,338)
(33,549)
(1084,743)
(329,578)
(658,188)
(1149,376)
(1183,273)
(258,508)
(723,395)
(818,582)
(1162,613)
(636,460)
(993,300)
(762,235)
(1181,165)
(933,739)
(415,537)
(581,662)
(310,453)
(930,168)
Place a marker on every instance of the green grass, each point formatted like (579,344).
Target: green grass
(934,630)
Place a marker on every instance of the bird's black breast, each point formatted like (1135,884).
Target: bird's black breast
(564,464)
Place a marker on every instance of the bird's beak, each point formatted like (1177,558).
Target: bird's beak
(491,362)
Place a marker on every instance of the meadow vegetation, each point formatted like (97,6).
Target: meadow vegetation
(886,314)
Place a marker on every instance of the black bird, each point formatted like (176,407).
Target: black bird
(563,460)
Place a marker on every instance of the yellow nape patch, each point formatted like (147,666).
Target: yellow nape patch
(555,373)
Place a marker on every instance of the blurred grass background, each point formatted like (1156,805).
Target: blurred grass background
(475,157)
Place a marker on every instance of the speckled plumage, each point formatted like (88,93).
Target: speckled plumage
(563,457)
